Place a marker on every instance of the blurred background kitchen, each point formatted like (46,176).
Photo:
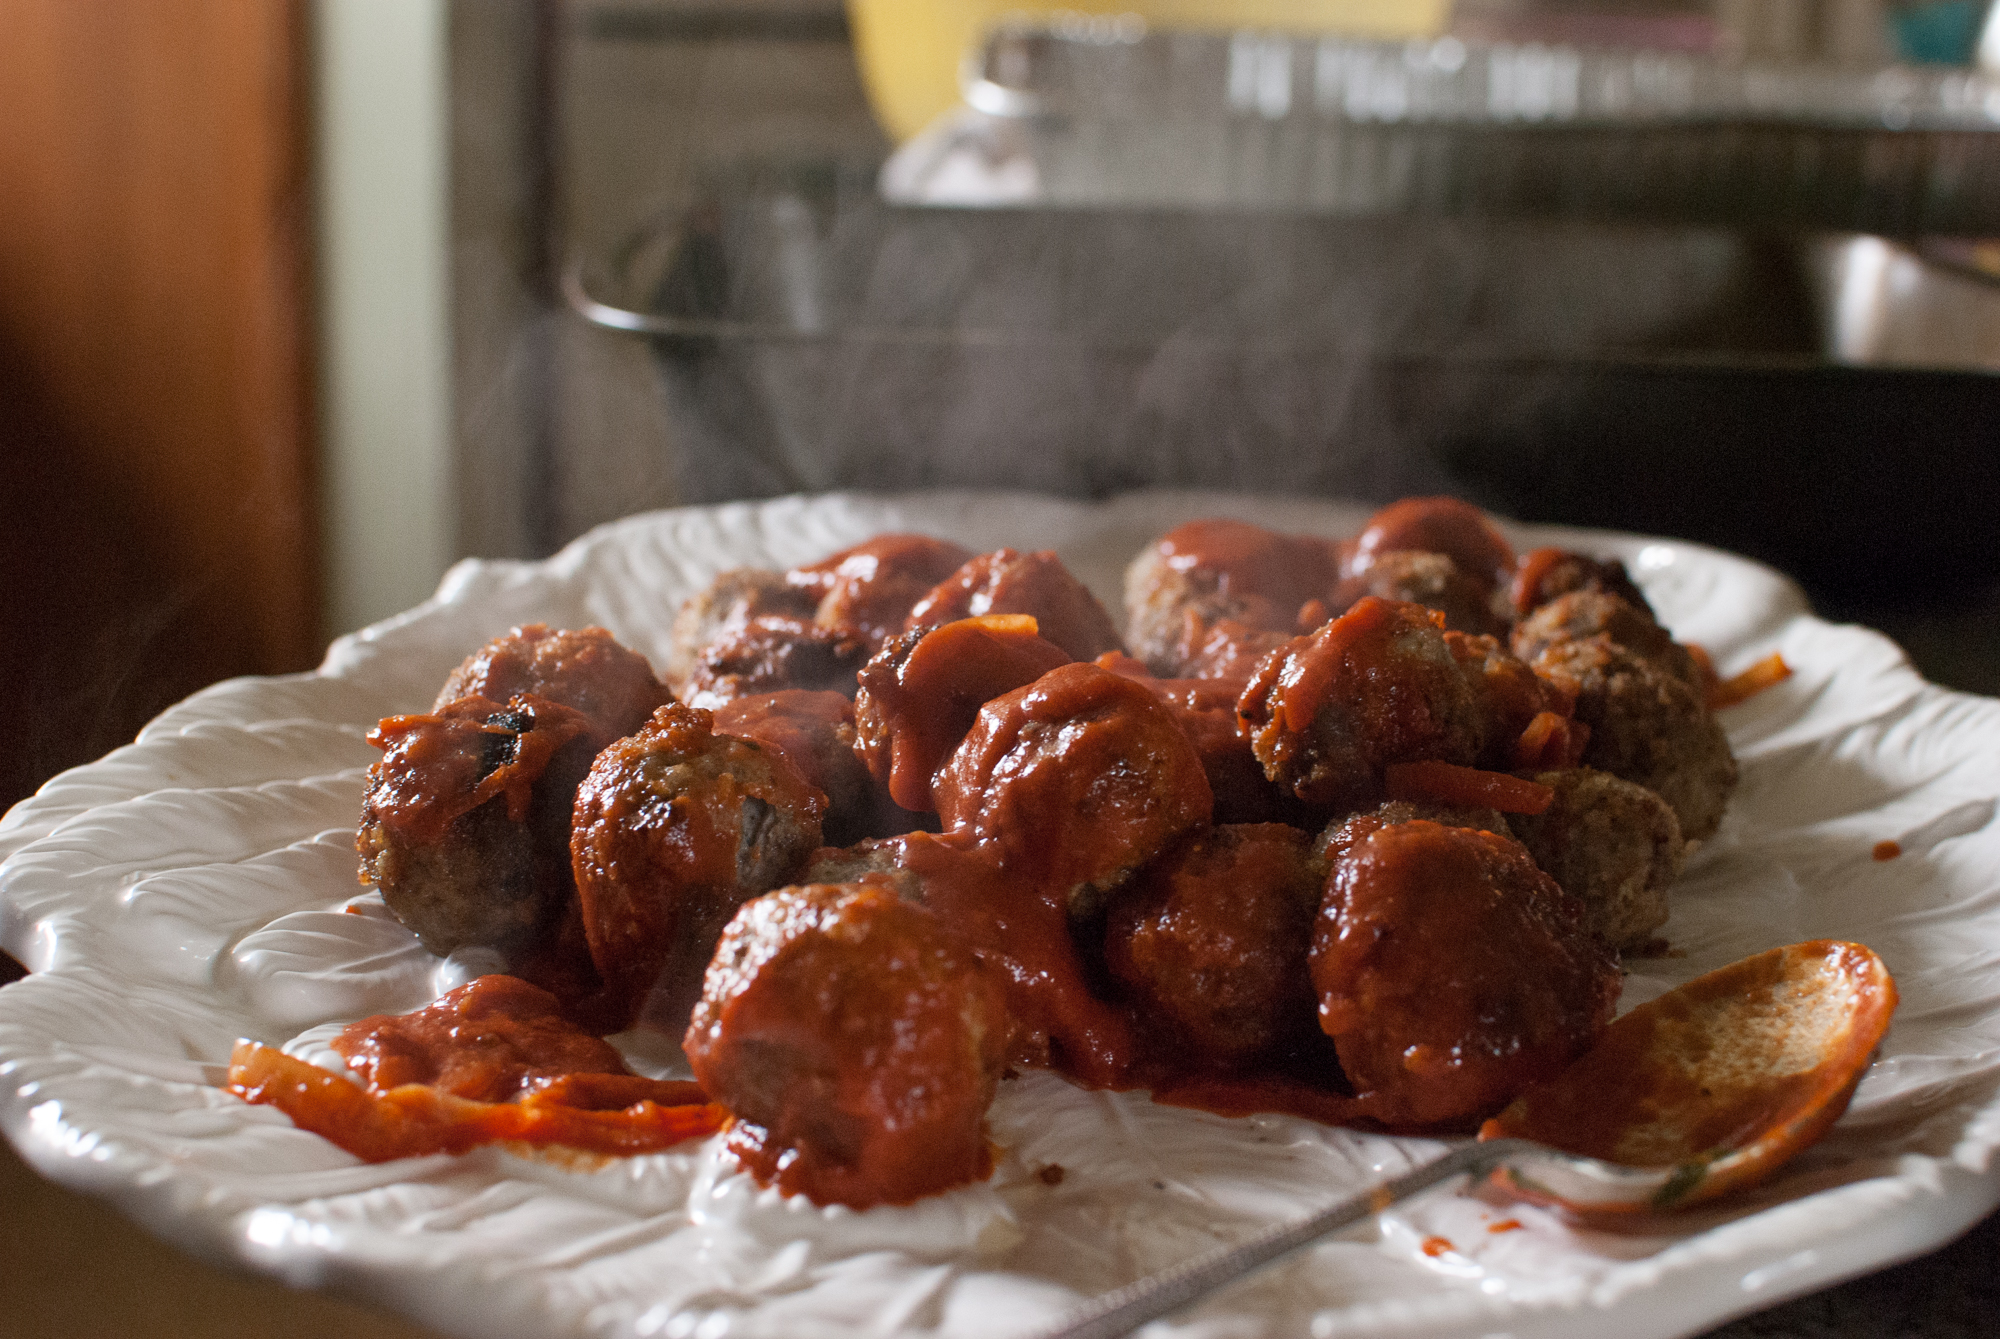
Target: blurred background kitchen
(301,302)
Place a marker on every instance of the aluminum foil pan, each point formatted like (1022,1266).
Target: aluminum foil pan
(1114,116)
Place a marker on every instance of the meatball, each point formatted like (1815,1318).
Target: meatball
(815,733)
(857,1041)
(1588,613)
(1429,579)
(772,655)
(1452,974)
(1075,781)
(867,591)
(465,823)
(731,603)
(1525,721)
(877,860)
(1009,582)
(1612,845)
(675,827)
(1444,525)
(1206,710)
(586,670)
(1328,712)
(1229,652)
(1649,726)
(1209,943)
(921,693)
(1206,572)
(1542,575)
(1022,927)
(1342,835)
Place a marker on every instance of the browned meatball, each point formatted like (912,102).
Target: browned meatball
(867,591)
(1342,835)
(1588,613)
(772,655)
(1444,525)
(1510,697)
(465,823)
(1206,710)
(1429,579)
(586,670)
(1210,943)
(730,603)
(1329,712)
(857,1041)
(1452,974)
(1021,926)
(1649,726)
(1544,574)
(1613,845)
(1229,652)
(1208,572)
(815,732)
(1075,781)
(675,827)
(871,860)
(1007,581)
(921,693)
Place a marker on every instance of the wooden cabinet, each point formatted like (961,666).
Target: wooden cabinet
(156,415)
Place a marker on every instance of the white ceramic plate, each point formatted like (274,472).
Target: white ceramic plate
(183,892)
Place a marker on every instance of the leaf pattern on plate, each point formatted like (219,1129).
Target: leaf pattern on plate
(193,887)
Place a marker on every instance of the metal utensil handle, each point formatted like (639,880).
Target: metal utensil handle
(1121,1312)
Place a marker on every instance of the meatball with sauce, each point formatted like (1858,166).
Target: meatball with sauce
(1611,844)
(879,860)
(465,822)
(675,827)
(919,695)
(1429,579)
(1075,781)
(1525,720)
(867,591)
(1206,710)
(1452,974)
(1007,581)
(1230,652)
(773,655)
(1328,712)
(1018,925)
(1458,530)
(1589,613)
(1342,835)
(585,669)
(1209,943)
(1543,574)
(1647,725)
(730,603)
(857,1041)
(815,733)
(1206,573)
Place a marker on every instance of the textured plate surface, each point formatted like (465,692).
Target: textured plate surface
(183,892)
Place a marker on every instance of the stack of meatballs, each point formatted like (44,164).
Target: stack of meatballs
(1355,829)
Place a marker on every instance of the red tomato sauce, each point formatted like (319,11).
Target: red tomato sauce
(491,1062)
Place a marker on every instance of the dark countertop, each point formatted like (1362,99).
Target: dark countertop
(1953,1293)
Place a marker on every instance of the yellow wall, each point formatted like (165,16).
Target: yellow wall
(910,49)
